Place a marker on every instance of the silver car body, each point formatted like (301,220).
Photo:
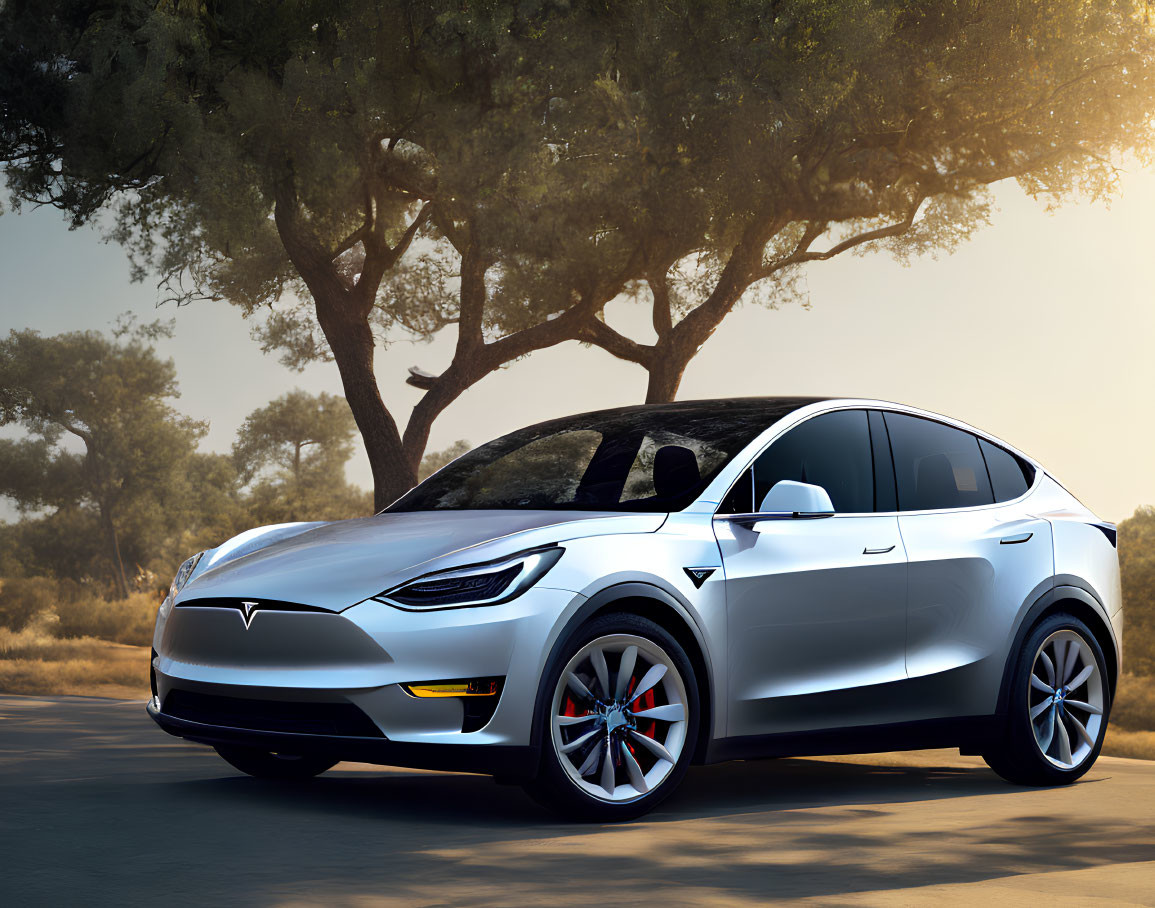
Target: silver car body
(857,632)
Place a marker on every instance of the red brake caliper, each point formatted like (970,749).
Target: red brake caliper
(650,727)
(646,701)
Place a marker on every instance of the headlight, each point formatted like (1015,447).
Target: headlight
(479,584)
(182,575)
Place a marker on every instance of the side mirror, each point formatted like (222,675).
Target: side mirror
(788,500)
(796,499)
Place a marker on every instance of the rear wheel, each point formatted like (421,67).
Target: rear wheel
(1058,707)
(621,722)
(262,764)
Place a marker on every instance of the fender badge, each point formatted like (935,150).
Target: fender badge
(698,575)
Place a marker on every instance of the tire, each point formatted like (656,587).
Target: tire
(645,723)
(1063,709)
(262,764)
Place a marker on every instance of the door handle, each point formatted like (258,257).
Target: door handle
(880,551)
(1014,540)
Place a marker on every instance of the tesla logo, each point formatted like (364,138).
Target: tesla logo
(248,610)
(698,575)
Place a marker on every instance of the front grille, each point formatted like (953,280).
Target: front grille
(337,719)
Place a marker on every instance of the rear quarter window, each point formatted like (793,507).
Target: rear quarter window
(1010,476)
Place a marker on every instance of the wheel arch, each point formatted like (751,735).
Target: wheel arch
(657,605)
(1073,601)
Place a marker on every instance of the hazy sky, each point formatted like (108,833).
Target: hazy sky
(1040,330)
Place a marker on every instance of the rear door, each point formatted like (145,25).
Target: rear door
(816,609)
(976,554)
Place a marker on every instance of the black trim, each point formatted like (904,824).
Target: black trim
(342,719)
(152,672)
(477,711)
(885,480)
(502,760)
(1108,530)
(262,605)
(968,731)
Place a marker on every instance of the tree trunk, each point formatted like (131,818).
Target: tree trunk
(351,340)
(343,314)
(665,375)
(118,578)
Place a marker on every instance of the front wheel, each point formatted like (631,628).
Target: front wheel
(262,764)
(621,721)
(1058,707)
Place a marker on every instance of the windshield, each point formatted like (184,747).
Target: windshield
(650,458)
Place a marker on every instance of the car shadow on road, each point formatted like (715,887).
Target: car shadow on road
(736,831)
(726,789)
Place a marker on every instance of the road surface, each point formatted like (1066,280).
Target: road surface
(99,807)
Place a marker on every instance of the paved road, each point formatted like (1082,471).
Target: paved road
(97,806)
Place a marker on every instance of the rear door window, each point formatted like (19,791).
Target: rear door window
(936,466)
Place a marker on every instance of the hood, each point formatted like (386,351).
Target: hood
(336,565)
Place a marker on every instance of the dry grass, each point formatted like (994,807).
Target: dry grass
(1134,706)
(70,609)
(32,662)
(1123,743)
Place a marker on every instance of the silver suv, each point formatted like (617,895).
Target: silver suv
(589,605)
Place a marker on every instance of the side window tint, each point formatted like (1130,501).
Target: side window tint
(832,451)
(740,499)
(936,466)
(1010,477)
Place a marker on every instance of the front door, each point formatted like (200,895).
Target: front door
(816,607)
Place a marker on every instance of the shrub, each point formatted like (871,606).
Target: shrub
(1134,706)
(65,608)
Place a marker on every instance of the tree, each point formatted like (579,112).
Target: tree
(111,397)
(435,460)
(511,168)
(258,148)
(296,433)
(1137,570)
(810,129)
(751,138)
(296,448)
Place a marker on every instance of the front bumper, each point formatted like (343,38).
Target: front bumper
(362,656)
(513,762)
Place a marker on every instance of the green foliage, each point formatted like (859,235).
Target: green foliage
(293,452)
(543,158)
(1137,567)
(114,493)
(297,432)
(435,460)
(109,398)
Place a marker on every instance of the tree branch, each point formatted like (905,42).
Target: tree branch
(802,253)
(663,315)
(350,241)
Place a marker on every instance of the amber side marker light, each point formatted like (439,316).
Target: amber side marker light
(473,687)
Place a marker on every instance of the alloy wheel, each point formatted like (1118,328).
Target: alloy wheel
(619,717)
(1065,699)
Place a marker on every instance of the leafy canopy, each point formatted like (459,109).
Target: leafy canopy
(293,453)
(129,452)
(546,157)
